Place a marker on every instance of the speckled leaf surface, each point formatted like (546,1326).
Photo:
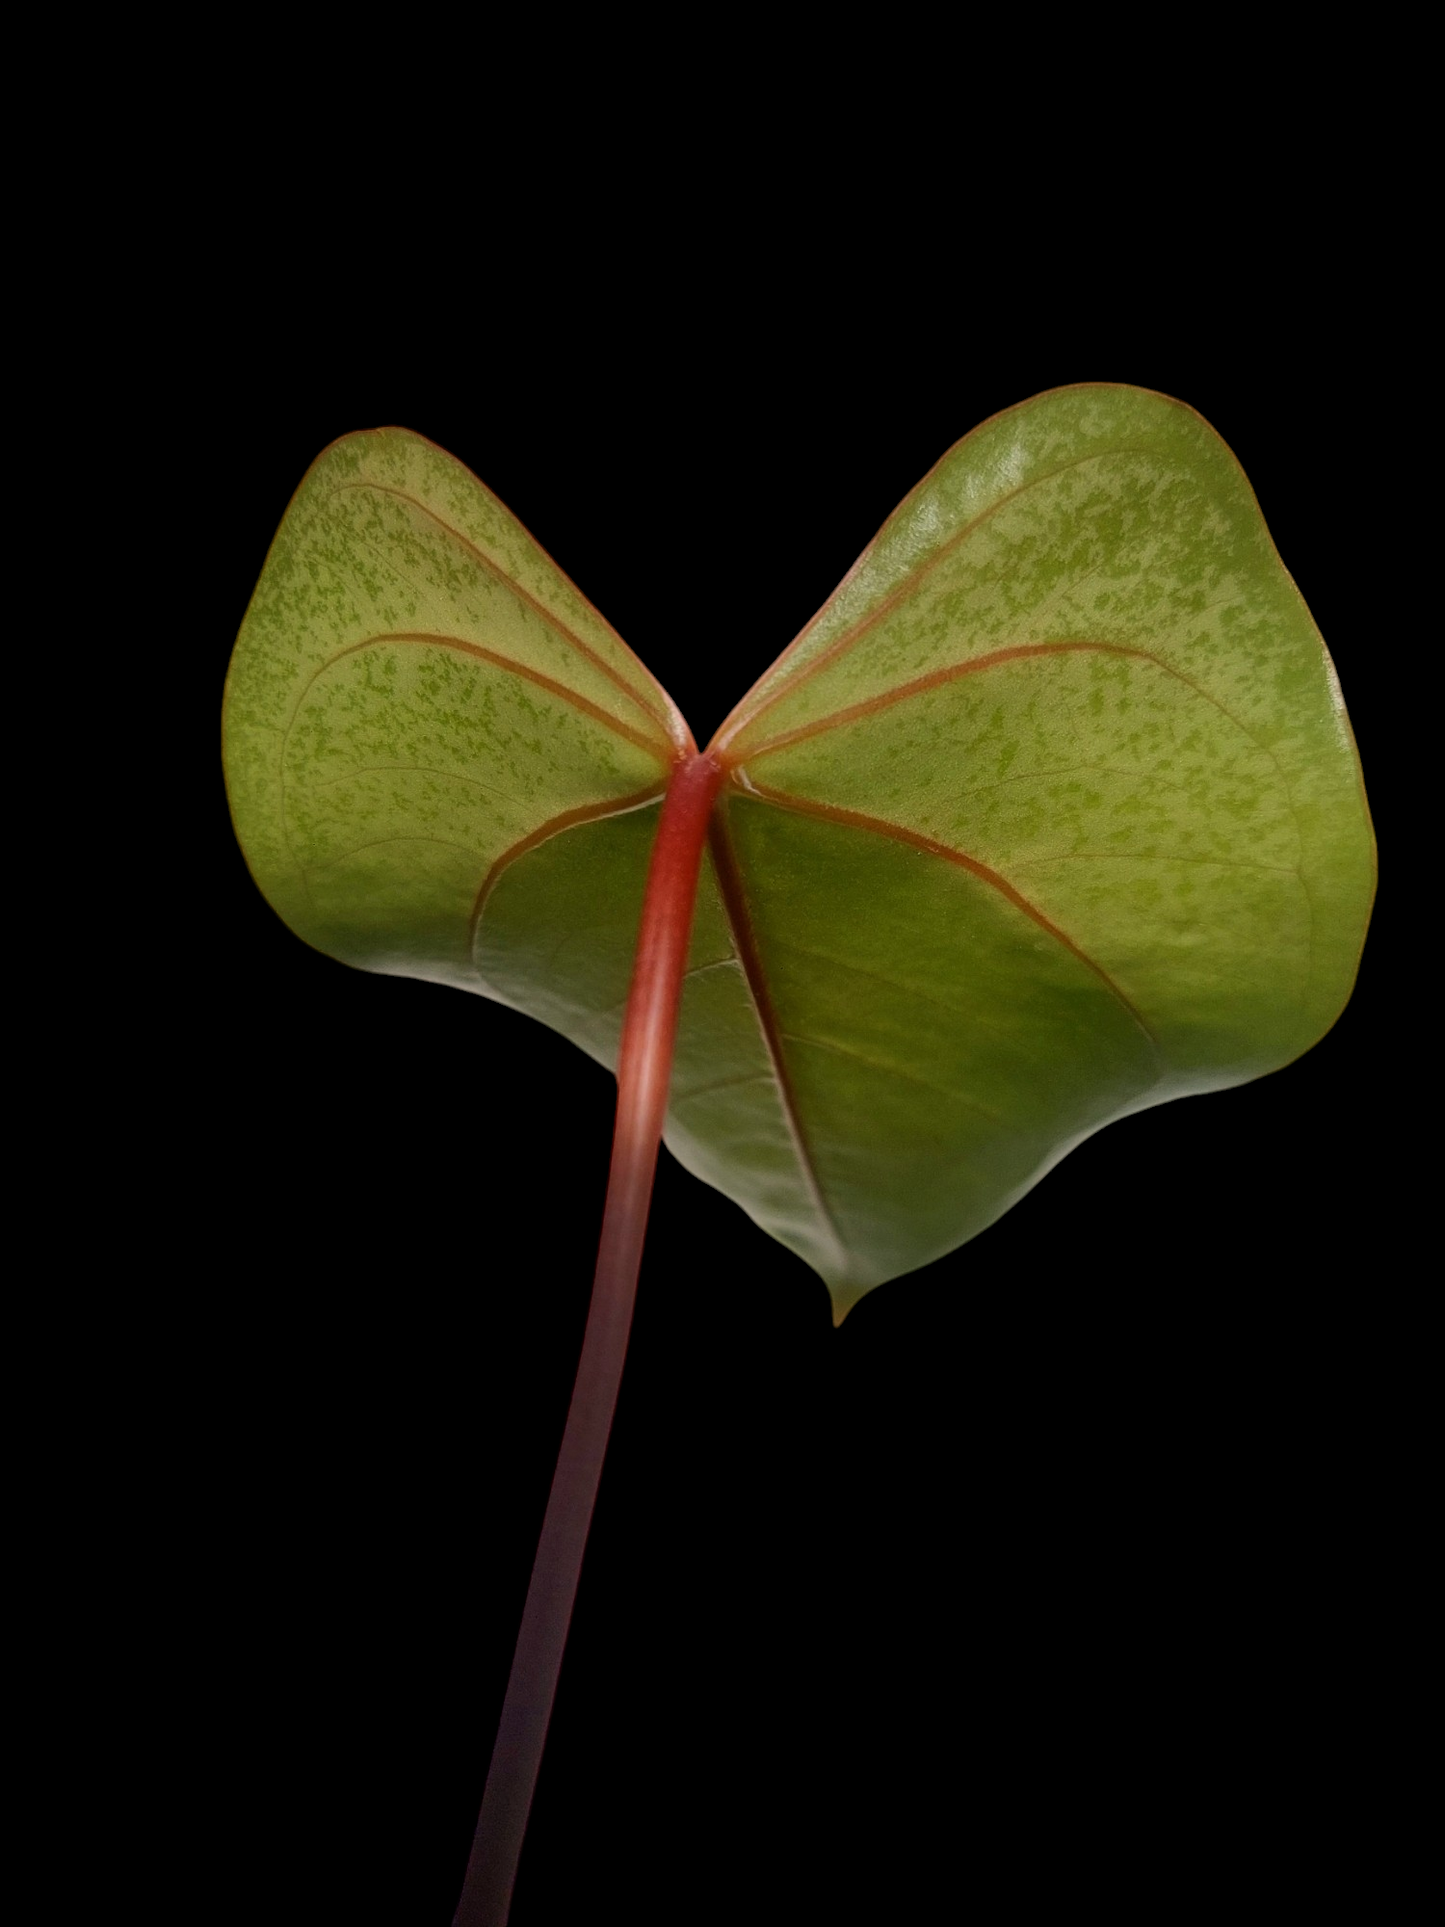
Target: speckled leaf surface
(1051,814)
(417,696)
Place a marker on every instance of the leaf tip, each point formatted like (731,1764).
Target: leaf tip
(844,1298)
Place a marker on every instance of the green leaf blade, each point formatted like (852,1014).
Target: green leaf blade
(1051,814)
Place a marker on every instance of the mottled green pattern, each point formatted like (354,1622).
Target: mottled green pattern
(1072,660)
(1052,814)
(1131,812)
(379,766)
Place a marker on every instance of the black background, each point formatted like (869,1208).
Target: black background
(1043,1575)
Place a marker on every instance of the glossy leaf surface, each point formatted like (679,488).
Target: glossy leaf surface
(1051,814)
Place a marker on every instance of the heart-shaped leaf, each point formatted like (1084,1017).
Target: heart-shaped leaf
(1051,814)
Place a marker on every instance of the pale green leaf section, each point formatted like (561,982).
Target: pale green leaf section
(1130,812)
(416,692)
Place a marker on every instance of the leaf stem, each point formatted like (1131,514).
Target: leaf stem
(643,1070)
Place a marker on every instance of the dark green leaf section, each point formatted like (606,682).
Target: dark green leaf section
(942,1049)
(559,930)
(907,1031)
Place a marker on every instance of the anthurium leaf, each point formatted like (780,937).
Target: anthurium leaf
(1051,814)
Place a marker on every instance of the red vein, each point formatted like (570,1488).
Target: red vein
(895,596)
(935,677)
(735,905)
(539,609)
(565,820)
(560,690)
(830,813)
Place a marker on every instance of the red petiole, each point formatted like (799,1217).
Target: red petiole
(643,1070)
